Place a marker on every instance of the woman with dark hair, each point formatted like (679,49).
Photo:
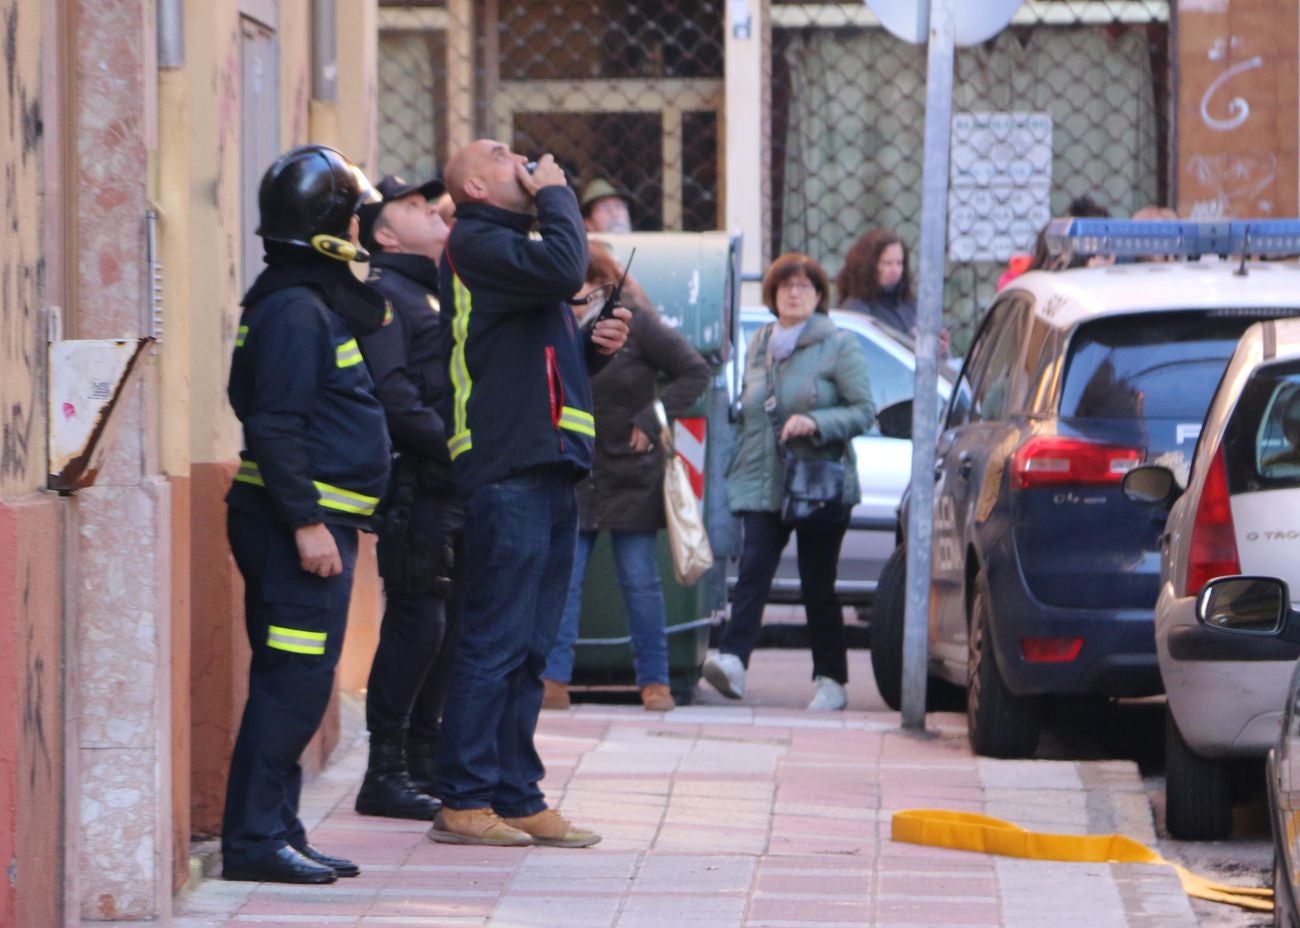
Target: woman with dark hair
(876,280)
(806,394)
(624,492)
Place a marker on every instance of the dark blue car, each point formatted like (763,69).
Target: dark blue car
(1044,576)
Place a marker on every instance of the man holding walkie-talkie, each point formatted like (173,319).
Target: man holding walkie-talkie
(520,430)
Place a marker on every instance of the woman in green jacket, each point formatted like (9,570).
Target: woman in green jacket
(820,396)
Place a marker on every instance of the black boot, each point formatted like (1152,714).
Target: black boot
(420,764)
(387,788)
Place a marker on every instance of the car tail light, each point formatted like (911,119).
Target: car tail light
(1051,460)
(1050,650)
(1213,549)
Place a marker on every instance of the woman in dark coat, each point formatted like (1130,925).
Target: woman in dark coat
(624,492)
(876,280)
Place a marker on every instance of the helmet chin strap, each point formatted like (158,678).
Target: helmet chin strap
(339,248)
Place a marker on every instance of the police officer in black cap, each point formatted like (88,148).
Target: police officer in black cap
(314,466)
(421,519)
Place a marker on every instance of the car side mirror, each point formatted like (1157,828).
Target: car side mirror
(1247,606)
(895,420)
(1151,483)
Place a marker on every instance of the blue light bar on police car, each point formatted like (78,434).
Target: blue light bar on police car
(1185,238)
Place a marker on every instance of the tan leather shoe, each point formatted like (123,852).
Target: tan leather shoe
(656,697)
(555,695)
(550,829)
(475,826)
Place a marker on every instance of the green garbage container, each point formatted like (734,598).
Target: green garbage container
(693,279)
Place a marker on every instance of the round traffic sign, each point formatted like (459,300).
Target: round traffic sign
(974,21)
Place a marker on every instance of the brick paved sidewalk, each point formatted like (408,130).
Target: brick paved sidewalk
(734,815)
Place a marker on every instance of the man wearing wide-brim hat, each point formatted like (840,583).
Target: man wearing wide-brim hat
(604,207)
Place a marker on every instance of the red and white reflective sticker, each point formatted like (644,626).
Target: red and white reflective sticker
(689,435)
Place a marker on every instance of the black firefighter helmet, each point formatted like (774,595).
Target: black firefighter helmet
(308,197)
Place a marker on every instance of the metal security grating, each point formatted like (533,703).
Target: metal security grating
(634,92)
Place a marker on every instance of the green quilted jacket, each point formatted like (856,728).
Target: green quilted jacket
(825,378)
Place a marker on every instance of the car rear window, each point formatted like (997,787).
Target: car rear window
(1262,440)
(1162,365)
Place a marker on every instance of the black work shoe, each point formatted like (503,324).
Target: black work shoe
(283,866)
(391,795)
(421,766)
(340,865)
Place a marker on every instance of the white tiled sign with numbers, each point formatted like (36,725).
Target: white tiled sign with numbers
(1000,180)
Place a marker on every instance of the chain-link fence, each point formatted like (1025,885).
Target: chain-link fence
(1073,99)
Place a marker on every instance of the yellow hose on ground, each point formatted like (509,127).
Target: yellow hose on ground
(969,831)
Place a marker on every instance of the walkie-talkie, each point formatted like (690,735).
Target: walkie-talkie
(615,298)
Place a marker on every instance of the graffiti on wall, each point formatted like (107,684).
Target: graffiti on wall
(21,267)
(1238,106)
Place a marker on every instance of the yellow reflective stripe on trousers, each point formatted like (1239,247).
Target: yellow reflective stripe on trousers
(248,473)
(331,497)
(969,831)
(297,640)
(348,353)
(239,339)
(461,383)
(577,420)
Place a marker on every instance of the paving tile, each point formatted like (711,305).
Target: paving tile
(812,910)
(438,905)
(706,911)
(708,839)
(977,885)
(831,884)
(539,911)
(688,873)
(938,911)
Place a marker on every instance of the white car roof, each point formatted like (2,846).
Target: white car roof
(1065,298)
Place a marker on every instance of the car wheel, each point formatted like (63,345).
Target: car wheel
(1198,790)
(999,723)
(887,628)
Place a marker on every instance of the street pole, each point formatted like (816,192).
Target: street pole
(925,402)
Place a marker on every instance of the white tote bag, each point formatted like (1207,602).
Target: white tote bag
(687,539)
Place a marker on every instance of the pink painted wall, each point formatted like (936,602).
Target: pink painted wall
(33,816)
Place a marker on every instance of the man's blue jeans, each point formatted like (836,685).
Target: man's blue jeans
(643,596)
(519,542)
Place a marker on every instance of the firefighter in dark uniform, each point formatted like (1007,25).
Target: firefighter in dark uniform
(420,523)
(315,464)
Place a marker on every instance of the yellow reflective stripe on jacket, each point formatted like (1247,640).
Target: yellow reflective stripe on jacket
(577,420)
(239,339)
(345,500)
(458,444)
(297,640)
(461,383)
(331,497)
(348,353)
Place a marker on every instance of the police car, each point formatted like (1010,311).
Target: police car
(1044,575)
(1240,514)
